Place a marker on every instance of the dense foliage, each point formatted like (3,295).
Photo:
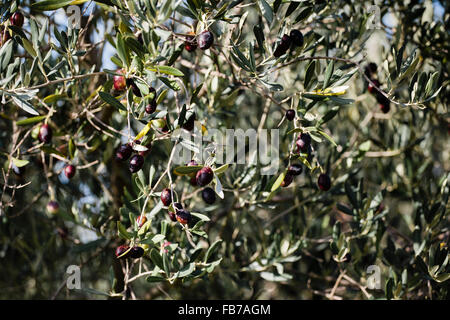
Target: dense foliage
(92,115)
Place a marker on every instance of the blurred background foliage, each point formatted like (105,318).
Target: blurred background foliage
(388,202)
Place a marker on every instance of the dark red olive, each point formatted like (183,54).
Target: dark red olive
(119,81)
(205,40)
(370,70)
(141,220)
(193,181)
(297,38)
(136,163)
(290,114)
(70,171)
(385,108)
(204,176)
(121,250)
(124,152)
(130,83)
(172,214)
(53,207)
(286,40)
(177,206)
(183,216)
(189,123)
(381,98)
(140,39)
(136,252)
(384,102)
(324,182)
(45,133)
(295,169)
(151,107)
(17,19)
(190,44)
(283,46)
(208,195)
(287,180)
(166,197)
(372,67)
(303,142)
(371,88)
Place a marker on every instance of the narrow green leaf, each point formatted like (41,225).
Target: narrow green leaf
(186,170)
(158,238)
(31,120)
(305,13)
(122,50)
(156,259)
(266,10)
(50,5)
(187,270)
(29,47)
(345,209)
(72,148)
(278,182)
(326,136)
(309,74)
(54,98)
(328,74)
(25,105)
(201,216)
(109,99)
(442,277)
(212,248)
(122,231)
(135,46)
(329,115)
(153,279)
(221,169)
(431,84)
(19,163)
(166,264)
(167,70)
(172,84)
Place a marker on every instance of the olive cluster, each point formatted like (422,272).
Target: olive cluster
(303,144)
(120,83)
(17,19)
(293,41)
(203,41)
(45,135)
(134,252)
(124,153)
